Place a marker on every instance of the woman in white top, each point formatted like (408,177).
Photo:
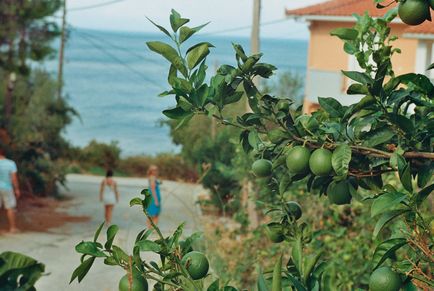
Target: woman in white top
(108,194)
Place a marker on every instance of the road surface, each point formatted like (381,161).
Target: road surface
(56,247)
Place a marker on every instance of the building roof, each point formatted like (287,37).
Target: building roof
(339,8)
(342,10)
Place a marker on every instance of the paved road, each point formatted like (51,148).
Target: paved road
(56,249)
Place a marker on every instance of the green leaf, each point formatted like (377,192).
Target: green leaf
(358,77)
(196,55)
(176,21)
(341,159)
(170,54)
(424,193)
(297,254)
(298,286)
(345,33)
(89,248)
(186,32)
(402,122)
(386,202)
(309,265)
(147,245)
(135,201)
(386,249)
(430,67)
(233,98)
(176,113)
(331,106)
(404,173)
(111,233)
(425,174)
(201,95)
(98,231)
(184,121)
(386,218)
(277,276)
(262,285)
(357,89)
(160,28)
(81,271)
(19,272)
(254,139)
(239,52)
(119,255)
(215,286)
(12,260)
(378,136)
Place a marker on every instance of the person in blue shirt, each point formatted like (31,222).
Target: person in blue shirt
(9,189)
(154,208)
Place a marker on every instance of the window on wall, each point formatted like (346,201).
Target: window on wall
(425,57)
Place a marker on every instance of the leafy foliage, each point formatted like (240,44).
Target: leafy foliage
(19,272)
(368,139)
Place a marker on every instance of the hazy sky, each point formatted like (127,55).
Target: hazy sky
(129,15)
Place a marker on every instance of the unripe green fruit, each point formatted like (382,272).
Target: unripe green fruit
(339,193)
(275,232)
(283,105)
(413,12)
(138,283)
(262,168)
(293,209)
(276,135)
(297,160)
(384,279)
(320,162)
(196,264)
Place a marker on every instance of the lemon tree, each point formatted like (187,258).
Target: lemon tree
(346,153)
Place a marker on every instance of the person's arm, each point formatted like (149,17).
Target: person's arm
(101,190)
(154,190)
(16,184)
(116,191)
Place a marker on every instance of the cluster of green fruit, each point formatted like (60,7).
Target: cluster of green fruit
(300,161)
(195,263)
(415,12)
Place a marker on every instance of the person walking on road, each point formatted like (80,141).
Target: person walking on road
(9,189)
(154,208)
(108,194)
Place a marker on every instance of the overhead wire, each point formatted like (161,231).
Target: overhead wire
(115,46)
(266,23)
(119,61)
(95,5)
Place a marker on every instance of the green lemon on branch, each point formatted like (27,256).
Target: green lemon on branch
(297,160)
(339,193)
(196,264)
(384,279)
(262,168)
(414,12)
(138,283)
(320,162)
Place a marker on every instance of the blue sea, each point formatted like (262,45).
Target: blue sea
(113,81)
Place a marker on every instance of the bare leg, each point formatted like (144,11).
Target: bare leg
(108,214)
(12,220)
(154,220)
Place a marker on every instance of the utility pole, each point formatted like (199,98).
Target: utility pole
(254,49)
(61,53)
(254,38)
